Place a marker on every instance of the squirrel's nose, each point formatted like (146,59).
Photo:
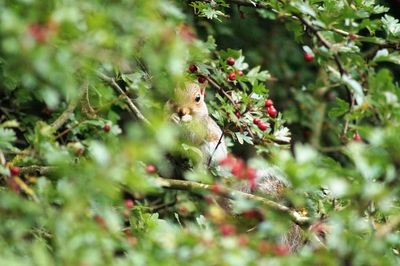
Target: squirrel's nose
(183,111)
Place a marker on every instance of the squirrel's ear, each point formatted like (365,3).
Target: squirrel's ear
(203,87)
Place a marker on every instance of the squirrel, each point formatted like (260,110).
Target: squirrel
(190,110)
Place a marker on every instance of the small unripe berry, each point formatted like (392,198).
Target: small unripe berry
(272,111)
(357,137)
(227,229)
(106,128)
(129,204)
(201,79)
(15,170)
(352,36)
(239,72)
(256,120)
(150,169)
(230,61)
(232,76)
(309,57)
(269,103)
(192,68)
(263,126)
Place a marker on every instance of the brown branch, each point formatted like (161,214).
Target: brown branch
(220,89)
(225,192)
(132,107)
(36,170)
(62,119)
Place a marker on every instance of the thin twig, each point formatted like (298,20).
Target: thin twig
(221,90)
(131,105)
(62,119)
(215,149)
(36,170)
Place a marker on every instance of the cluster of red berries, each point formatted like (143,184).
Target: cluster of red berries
(240,170)
(272,112)
(193,69)
(232,75)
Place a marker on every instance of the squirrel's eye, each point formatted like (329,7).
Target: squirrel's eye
(198,97)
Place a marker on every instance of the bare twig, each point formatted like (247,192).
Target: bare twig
(191,186)
(62,119)
(221,90)
(131,105)
(216,147)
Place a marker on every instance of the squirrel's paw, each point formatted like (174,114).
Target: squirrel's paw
(175,118)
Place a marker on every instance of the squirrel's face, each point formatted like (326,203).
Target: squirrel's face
(189,102)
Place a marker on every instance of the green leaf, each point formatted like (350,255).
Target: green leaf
(391,25)
(255,75)
(340,109)
(7,136)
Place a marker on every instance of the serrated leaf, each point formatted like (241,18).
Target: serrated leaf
(7,136)
(340,109)
(355,87)
(391,25)
(383,55)
(255,75)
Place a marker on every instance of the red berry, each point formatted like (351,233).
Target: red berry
(357,137)
(263,126)
(230,61)
(227,229)
(228,160)
(239,72)
(201,79)
(264,246)
(269,103)
(251,173)
(243,240)
(183,210)
(129,204)
(309,57)
(232,76)
(252,214)
(106,128)
(150,169)
(38,32)
(256,120)
(237,114)
(272,111)
(281,250)
(192,68)
(238,168)
(15,170)
(216,188)
(352,36)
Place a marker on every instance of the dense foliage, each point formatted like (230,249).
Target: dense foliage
(93,172)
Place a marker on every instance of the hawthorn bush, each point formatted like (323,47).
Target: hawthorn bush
(94,173)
